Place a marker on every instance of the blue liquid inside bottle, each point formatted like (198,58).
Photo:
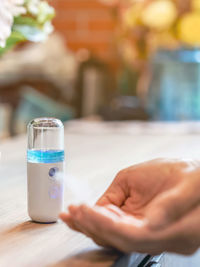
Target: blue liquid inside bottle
(45,156)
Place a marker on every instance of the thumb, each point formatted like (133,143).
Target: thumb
(116,193)
(171,205)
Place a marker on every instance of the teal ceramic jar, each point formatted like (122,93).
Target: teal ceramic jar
(174,92)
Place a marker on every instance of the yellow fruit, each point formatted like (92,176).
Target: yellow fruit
(131,15)
(196,5)
(189,29)
(159,15)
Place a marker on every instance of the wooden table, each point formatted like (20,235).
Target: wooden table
(95,153)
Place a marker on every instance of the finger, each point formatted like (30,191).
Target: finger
(92,221)
(108,226)
(81,212)
(65,217)
(74,210)
(124,235)
(99,225)
(68,219)
(173,239)
(75,225)
(116,194)
(173,204)
(128,240)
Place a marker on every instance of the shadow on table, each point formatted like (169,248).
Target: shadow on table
(27,226)
(103,258)
(87,258)
(90,258)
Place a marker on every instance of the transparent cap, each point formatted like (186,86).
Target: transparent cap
(45,134)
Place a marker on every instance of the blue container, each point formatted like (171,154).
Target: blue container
(174,92)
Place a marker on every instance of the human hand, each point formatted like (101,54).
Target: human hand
(149,208)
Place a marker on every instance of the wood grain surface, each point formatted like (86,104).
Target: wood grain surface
(95,152)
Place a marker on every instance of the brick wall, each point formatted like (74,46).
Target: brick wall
(85,24)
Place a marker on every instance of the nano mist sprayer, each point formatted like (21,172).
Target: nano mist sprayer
(45,169)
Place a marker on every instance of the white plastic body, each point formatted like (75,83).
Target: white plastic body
(45,193)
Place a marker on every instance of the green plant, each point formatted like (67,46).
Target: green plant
(24,20)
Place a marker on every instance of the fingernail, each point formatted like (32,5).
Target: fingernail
(61,215)
(73,209)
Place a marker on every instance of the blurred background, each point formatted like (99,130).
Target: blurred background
(108,60)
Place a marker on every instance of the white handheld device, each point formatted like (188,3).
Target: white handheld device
(45,169)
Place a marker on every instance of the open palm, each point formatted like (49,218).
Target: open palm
(138,211)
